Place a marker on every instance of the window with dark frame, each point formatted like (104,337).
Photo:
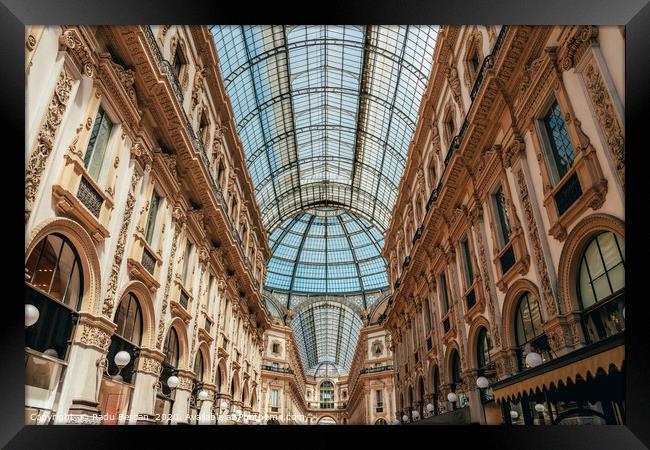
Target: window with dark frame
(427,316)
(474,61)
(127,336)
(503,223)
(467,262)
(529,330)
(561,153)
(98,144)
(443,293)
(484,362)
(54,285)
(151,217)
(178,61)
(601,286)
(186,262)
(203,129)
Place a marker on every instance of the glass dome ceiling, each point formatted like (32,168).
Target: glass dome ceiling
(326,251)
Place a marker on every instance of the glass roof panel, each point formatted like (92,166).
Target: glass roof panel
(325,113)
(326,332)
(322,254)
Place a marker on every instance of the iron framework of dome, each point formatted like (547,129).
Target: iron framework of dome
(328,251)
(325,115)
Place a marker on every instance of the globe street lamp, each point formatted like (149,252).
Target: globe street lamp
(121,359)
(482,383)
(533,359)
(514,415)
(539,407)
(31,315)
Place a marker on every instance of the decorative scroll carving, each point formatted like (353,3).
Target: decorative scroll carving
(150,366)
(109,299)
(177,215)
(577,44)
(71,39)
(454,82)
(476,216)
(542,270)
(197,88)
(530,69)
(127,79)
(607,118)
(45,140)
(94,337)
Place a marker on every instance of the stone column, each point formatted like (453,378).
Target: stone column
(181,407)
(205,412)
(473,394)
(80,391)
(147,373)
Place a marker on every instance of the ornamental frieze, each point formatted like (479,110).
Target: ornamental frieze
(476,215)
(46,137)
(93,334)
(540,261)
(607,117)
(111,288)
(168,282)
(149,366)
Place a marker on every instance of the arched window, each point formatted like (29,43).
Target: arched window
(483,348)
(381,421)
(129,320)
(483,361)
(165,396)
(326,395)
(601,286)
(198,366)
(171,348)
(529,333)
(435,391)
(456,379)
(54,269)
(421,399)
(54,285)
(127,336)
(455,370)
(219,379)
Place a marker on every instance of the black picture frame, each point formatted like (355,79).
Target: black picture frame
(633,14)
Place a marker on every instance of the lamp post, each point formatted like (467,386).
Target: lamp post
(223,406)
(514,415)
(121,359)
(539,407)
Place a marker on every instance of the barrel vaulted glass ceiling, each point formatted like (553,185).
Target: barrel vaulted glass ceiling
(325,115)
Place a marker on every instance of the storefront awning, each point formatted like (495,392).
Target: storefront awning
(581,363)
